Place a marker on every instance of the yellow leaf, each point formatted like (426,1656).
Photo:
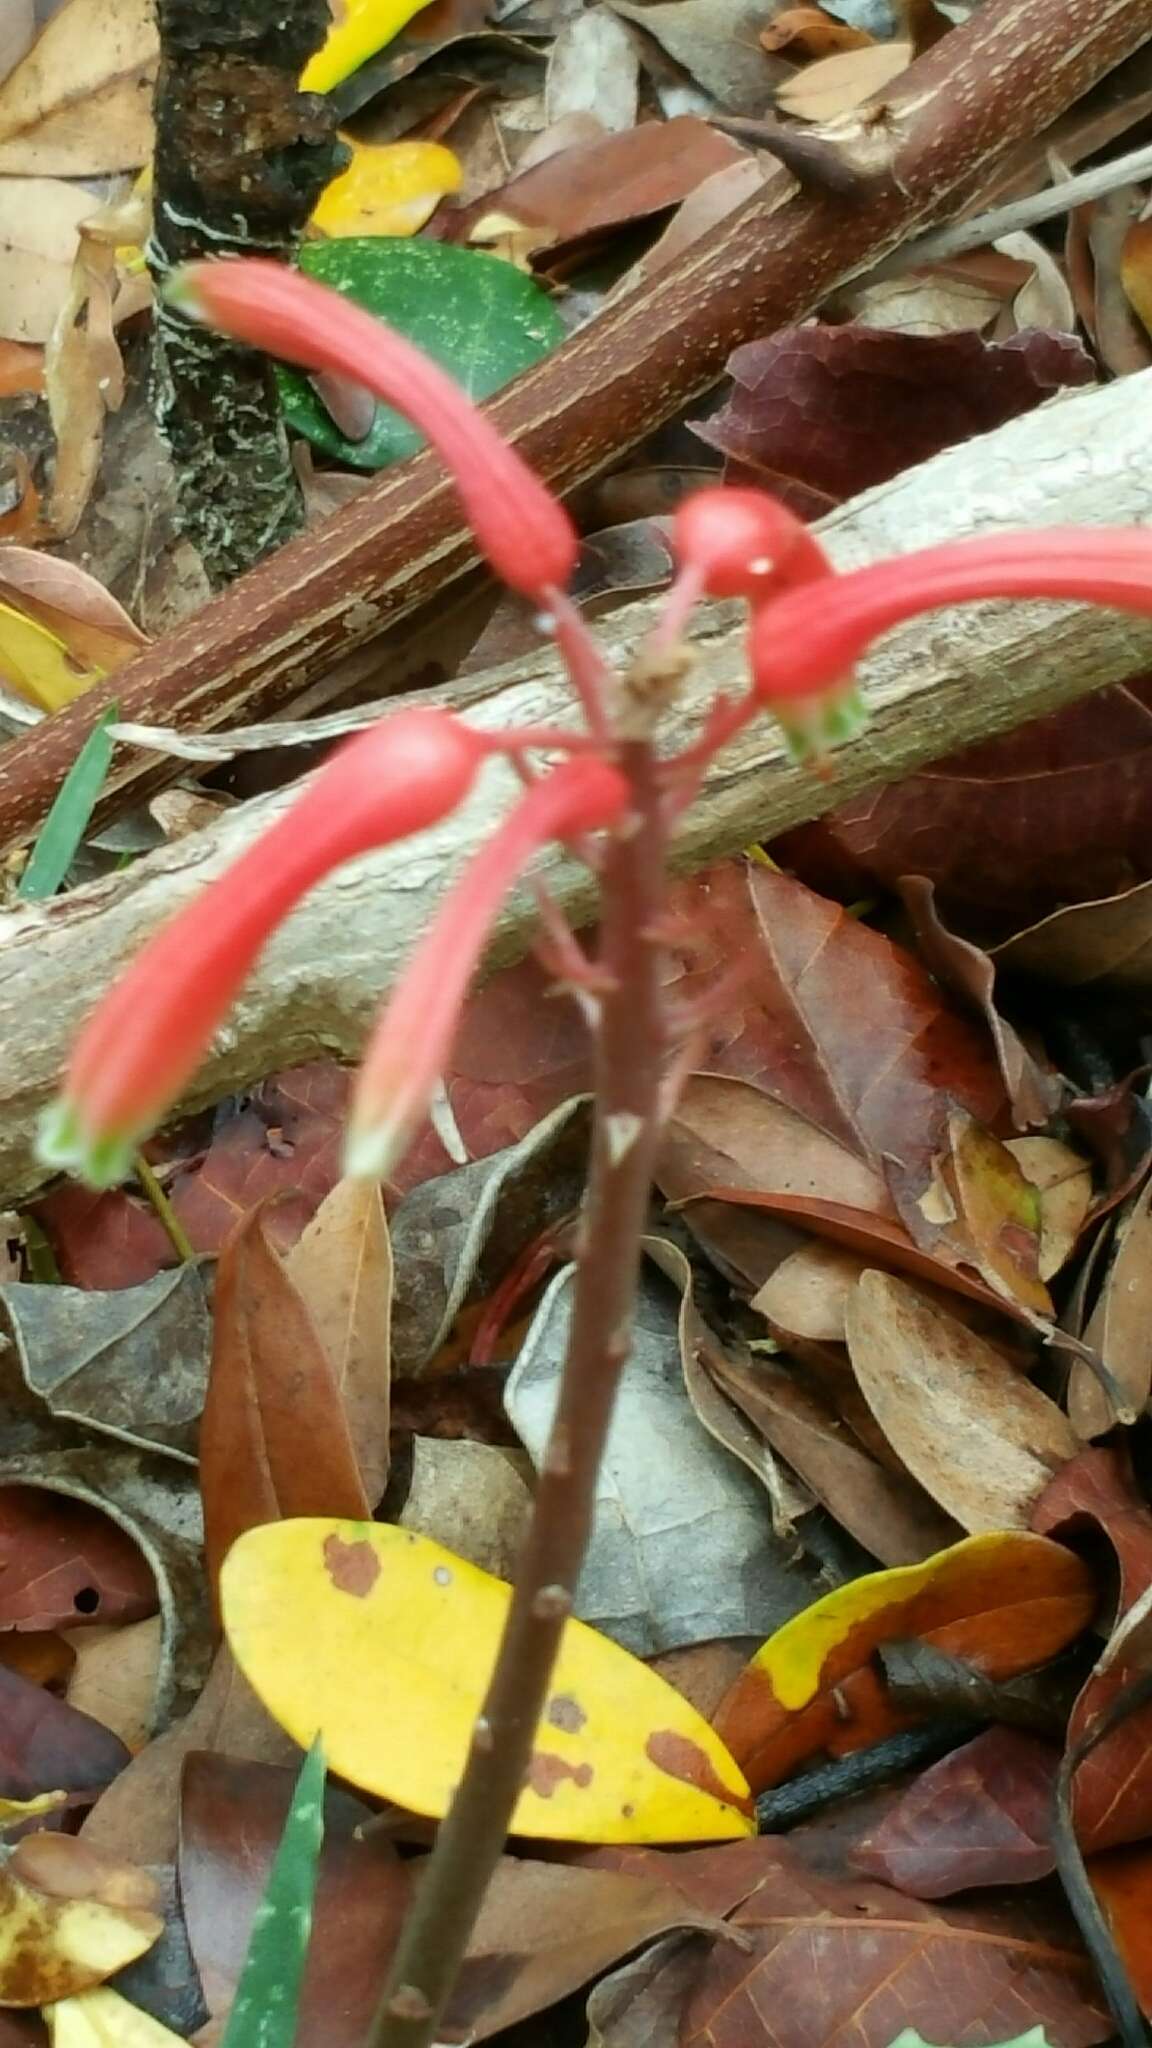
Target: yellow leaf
(389,188)
(381,1642)
(14,1812)
(102,2019)
(364,27)
(69,1918)
(35,663)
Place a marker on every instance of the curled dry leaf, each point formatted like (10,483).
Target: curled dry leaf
(1120,1327)
(1108,942)
(980,1438)
(1063,1181)
(39,230)
(69,1918)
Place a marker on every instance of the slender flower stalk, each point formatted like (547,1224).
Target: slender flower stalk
(409,1051)
(145,1040)
(524,531)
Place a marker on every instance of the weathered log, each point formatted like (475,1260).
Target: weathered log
(938,684)
(912,155)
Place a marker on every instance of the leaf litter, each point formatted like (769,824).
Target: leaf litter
(875,1197)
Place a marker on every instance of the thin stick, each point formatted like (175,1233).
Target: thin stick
(942,243)
(165,1213)
(628,1060)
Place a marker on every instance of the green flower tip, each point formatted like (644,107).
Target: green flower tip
(181,289)
(63,1143)
(814,726)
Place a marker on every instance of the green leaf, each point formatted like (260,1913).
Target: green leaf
(67,821)
(265,2009)
(1034,2038)
(482,320)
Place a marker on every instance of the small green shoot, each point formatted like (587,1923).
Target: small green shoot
(67,821)
(266,2007)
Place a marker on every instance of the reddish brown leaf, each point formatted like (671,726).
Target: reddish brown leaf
(849,1965)
(819,413)
(1053,813)
(274,1437)
(63,1563)
(1122,1881)
(608,182)
(978,1817)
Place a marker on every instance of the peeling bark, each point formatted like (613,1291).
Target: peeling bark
(241,158)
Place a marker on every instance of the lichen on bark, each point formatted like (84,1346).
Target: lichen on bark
(241,157)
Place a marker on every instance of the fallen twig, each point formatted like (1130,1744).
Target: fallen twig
(934,136)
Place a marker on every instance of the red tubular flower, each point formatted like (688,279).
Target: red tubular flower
(410,1048)
(731,542)
(803,653)
(526,535)
(145,1040)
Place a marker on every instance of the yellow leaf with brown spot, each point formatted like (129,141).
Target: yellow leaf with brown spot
(1003,1602)
(389,188)
(69,1917)
(102,2019)
(381,1642)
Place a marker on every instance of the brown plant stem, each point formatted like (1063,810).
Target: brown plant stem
(625,1134)
(921,150)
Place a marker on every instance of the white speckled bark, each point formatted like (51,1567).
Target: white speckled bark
(937,684)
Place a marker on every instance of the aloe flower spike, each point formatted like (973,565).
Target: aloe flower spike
(143,1043)
(803,653)
(521,528)
(410,1049)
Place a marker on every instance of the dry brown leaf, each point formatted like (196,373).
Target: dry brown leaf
(808,33)
(473,1498)
(114,1677)
(342,1267)
(727,1133)
(809,1292)
(993,1212)
(39,234)
(96,629)
(838,84)
(83,371)
(80,103)
(17,28)
(1120,1328)
(980,1438)
(1063,1181)
(1108,941)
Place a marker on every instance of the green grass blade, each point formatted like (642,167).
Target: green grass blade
(265,2010)
(67,821)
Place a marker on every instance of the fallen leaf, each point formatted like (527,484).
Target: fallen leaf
(593,71)
(838,1961)
(389,188)
(21,369)
(39,232)
(47,1745)
(817,414)
(980,1438)
(992,1209)
(471,1497)
(69,1918)
(981,1816)
(361,28)
(1063,1180)
(717,44)
(1104,944)
(1005,1603)
(103,2019)
(887,1513)
(65,598)
(681,1549)
(808,32)
(1121,1326)
(602,185)
(274,1435)
(342,1269)
(1051,814)
(619,1757)
(116,1678)
(80,102)
(62,1561)
(35,663)
(836,85)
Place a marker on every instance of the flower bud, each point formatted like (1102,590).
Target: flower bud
(742,543)
(525,533)
(413,1040)
(144,1041)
